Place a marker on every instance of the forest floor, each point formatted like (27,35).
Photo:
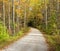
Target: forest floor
(33,41)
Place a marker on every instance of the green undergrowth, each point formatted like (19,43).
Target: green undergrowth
(54,42)
(6,39)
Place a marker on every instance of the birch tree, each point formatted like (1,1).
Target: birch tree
(9,15)
(4,14)
(58,16)
(46,14)
(13,1)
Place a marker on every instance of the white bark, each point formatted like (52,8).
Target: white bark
(57,4)
(46,14)
(18,15)
(9,15)
(57,14)
(25,17)
(4,14)
(13,15)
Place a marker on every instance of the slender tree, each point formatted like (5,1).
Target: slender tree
(4,14)
(9,15)
(13,1)
(46,21)
(25,16)
(58,16)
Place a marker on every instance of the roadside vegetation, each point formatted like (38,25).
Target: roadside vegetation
(17,16)
(54,42)
(6,39)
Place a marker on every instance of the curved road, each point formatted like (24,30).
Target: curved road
(34,41)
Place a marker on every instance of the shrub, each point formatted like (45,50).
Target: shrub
(3,33)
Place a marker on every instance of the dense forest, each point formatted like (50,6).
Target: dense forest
(17,15)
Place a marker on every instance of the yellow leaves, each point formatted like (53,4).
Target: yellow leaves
(32,2)
(19,11)
(1,0)
(23,1)
(36,1)
(5,1)
(40,15)
(54,25)
(16,3)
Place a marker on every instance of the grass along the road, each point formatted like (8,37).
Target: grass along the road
(10,39)
(53,41)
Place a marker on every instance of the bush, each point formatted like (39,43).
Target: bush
(54,42)
(3,33)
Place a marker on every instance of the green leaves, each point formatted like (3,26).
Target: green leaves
(3,33)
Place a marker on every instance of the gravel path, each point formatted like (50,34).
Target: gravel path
(34,41)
